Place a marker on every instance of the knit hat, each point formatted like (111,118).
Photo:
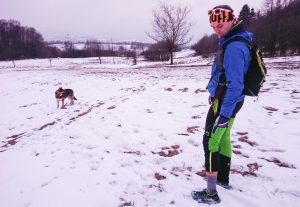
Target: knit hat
(221,13)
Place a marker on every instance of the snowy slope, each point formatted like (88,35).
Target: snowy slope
(134,136)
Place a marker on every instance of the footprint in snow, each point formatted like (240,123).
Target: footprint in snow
(45,184)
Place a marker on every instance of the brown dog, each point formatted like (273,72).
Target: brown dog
(61,94)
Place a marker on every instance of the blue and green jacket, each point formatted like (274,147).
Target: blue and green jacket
(235,63)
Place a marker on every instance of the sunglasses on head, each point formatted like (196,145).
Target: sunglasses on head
(217,11)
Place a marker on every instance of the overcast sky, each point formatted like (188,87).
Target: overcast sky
(115,20)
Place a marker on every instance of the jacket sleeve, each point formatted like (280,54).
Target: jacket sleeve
(236,62)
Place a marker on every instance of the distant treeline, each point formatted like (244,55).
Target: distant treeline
(20,42)
(96,49)
(276,30)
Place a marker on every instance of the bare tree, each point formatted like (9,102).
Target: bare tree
(112,50)
(94,49)
(171,26)
(269,5)
(99,51)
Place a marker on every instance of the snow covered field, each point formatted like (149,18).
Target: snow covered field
(134,136)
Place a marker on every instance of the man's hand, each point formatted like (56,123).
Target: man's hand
(210,100)
(222,122)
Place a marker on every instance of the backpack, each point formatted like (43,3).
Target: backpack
(256,74)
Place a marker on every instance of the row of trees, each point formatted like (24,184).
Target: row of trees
(94,49)
(157,52)
(19,42)
(276,29)
(207,45)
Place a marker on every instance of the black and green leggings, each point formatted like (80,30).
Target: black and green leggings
(217,142)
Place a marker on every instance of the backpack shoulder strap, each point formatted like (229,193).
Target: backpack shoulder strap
(238,38)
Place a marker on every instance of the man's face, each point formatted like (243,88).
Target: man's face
(221,28)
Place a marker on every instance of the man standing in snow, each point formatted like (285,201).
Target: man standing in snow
(226,98)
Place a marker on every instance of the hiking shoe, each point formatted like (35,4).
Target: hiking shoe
(224,185)
(204,197)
